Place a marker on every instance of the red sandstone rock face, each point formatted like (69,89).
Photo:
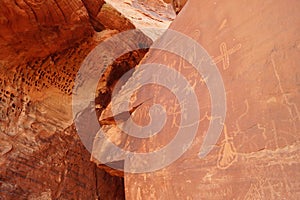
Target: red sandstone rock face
(53,166)
(41,27)
(41,153)
(112,19)
(256,49)
(93,7)
(42,45)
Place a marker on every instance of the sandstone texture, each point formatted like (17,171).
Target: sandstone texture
(256,49)
(29,27)
(42,45)
(42,156)
(41,27)
(146,15)
(255,45)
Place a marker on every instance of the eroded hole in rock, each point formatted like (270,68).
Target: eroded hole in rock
(39,144)
(112,74)
(42,155)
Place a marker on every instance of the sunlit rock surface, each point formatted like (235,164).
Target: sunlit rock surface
(147,14)
(255,46)
(256,49)
(42,45)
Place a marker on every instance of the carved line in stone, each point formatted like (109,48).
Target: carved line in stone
(290,106)
(227,153)
(225,53)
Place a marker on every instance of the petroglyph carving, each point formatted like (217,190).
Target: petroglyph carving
(225,53)
(227,153)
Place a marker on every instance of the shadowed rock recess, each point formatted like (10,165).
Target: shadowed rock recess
(42,44)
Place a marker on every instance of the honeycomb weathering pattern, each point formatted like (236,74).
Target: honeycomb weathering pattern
(89,75)
(38,147)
